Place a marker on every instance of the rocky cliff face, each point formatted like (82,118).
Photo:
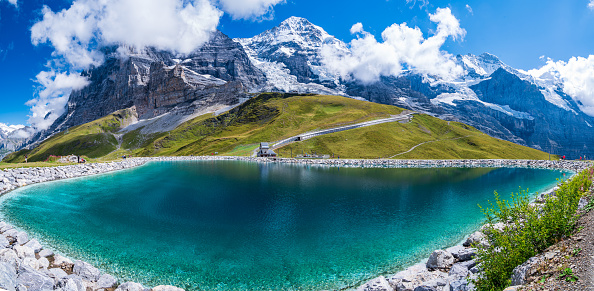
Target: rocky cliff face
(157,82)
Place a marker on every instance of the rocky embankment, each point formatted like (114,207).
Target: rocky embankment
(26,265)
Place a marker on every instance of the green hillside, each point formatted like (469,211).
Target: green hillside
(94,139)
(273,116)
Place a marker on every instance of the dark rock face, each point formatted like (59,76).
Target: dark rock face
(156,82)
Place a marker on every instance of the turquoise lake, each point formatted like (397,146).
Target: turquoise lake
(229,225)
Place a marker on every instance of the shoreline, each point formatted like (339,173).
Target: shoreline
(12,179)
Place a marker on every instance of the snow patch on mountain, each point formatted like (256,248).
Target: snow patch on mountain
(6,129)
(294,38)
(468,95)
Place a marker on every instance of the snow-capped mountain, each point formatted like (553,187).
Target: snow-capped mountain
(523,107)
(12,137)
(290,57)
(494,97)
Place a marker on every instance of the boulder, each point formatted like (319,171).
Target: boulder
(21,287)
(22,238)
(71,283)
(378,284)
(9,256)
(34,280)
(513,288)
(108,281)
(46,253)
(31,262)
(461,285)
(475,238)
(130,286)
(468,264)
(57,273)
(43,263)
(8,277)
(167,288)
(465,254)
(425,288)
(520,272)
(4,243)
(458,271)
(34,245)
(440,259)
(86,271)
(582,203)
(59,260)
(24,252)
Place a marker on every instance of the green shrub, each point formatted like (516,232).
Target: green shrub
(528,229)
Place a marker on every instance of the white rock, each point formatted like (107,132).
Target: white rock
(476,238)
(34,280)
(43,263)
(9,256)
(24,252)
(58,273)
(8,277)
(107,281)
(34,245)
(31,262)
(130,286)
(86,271)
(458,271)
(46,253)
(4,243)
(519,272)
(378,284)
(59,260)
(22,238)
(440,259)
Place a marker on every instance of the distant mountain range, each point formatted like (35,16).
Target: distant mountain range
(166,90)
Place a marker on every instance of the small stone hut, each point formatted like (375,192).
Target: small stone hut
(265,150)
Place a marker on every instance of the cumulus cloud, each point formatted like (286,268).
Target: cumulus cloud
(55,88)
(591,4)
(576,76)
(357,28)
(249,9)
(77,32)
(13,2)
(401,48)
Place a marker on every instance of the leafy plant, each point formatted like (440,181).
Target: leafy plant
(527,229)
(567,275)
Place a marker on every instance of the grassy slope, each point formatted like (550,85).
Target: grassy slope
(269,117)
(444,140)
(93,139)
(272,117)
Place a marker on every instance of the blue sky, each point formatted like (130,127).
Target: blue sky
(519,32)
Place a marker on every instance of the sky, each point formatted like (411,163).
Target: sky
(37,47)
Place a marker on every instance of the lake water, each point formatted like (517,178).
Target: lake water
(228,225)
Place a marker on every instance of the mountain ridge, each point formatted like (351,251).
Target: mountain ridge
(533,111)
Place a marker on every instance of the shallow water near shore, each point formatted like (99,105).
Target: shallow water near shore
(229,225)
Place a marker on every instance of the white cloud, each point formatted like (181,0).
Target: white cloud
(13,2)
(591,4)
(51,100)
(249,9)
(357,28)
(576,76)
(77,32)
(470,9)
(401,48)
(422,3)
